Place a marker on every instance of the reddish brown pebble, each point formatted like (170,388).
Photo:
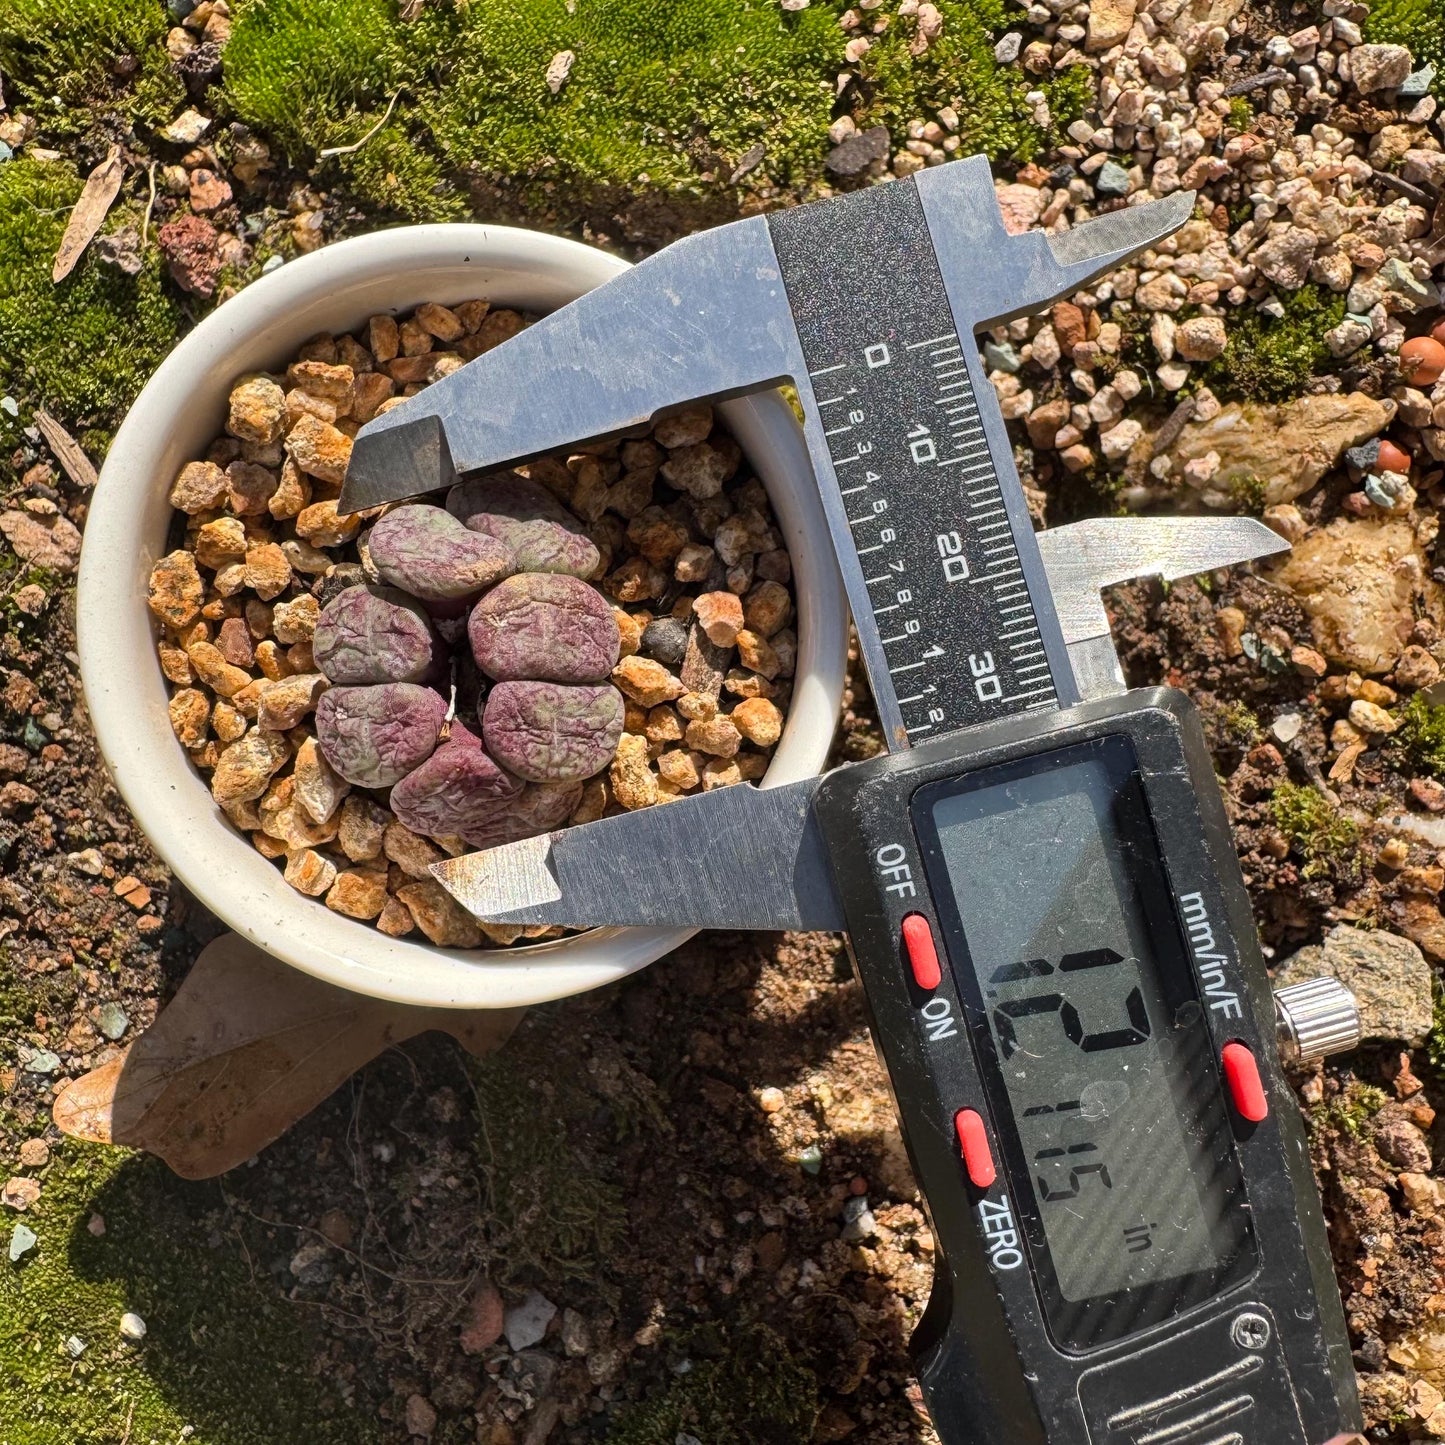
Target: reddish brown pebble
(1422,361)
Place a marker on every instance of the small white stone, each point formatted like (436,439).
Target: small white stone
(525,1324)
(132,1328)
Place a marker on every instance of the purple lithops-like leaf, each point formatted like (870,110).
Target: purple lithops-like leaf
(375,634)
(374,736)
(539,808)
(544,627)
(543,535)
(455,791)
(427,552)
(552,732)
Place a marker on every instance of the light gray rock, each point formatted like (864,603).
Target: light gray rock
(525,1324)
(1387,974)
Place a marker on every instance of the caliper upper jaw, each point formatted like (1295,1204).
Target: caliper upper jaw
(993,276)
(707,317)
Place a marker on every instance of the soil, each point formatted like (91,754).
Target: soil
(637,1155)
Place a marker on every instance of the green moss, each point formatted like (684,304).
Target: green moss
(1241,726)
(1419,742)
(1350,1110)
(85,347)
(551,1206)
(751,1392)
(1241,113)
(1273,359)
(225,1353)
(1435,1042)
(665,97)
(1420,24)
(1315,828)
(1248,493)
(93,55)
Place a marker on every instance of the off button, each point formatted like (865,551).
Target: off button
(921,952)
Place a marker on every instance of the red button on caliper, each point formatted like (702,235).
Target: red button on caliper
(973,1140)
(921,951)
(1246,1088)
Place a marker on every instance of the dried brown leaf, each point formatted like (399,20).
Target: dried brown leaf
(78,467)
(246,1048)
(102,186)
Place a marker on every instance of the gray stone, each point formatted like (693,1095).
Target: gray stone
(525,1324)
(1007,50)
(858,152)
(40,1061)
(1387,974)
(1365,455)
(1404,283)
(1112,180)
(1417,83)
(1000,356)
(112,1020)
(22,1240)
(858,1221)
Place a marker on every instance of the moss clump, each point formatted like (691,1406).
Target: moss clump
(91,55)
(224,1354)
(1351,1110)
(1241,113)
(61,346)
(1435,1042)
(1240,725)
(1419,741)
(550,1206)
(1273,359)
(1418,24)
(750,1392)
(665,97)
(1314,827)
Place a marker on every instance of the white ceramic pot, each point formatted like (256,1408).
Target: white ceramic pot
(173,421)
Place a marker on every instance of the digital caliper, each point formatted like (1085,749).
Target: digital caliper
(1038,882)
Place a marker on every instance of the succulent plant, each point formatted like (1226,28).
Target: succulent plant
(457,790)
(544,627)
(552,732)
(375,634)
(374,736)
(429,553)
(543,535)
(538,808)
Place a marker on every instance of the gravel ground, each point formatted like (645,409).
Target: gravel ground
(677,1212)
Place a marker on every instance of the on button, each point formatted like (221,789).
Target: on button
(921,952)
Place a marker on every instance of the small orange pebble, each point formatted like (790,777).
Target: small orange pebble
(1438,332)
(1393,458)
(1422,360)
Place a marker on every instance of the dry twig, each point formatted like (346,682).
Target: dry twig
(78,467)
(357,145)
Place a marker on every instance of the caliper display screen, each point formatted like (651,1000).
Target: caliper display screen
(1092,1036)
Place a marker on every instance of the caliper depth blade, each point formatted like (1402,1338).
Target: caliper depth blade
(676,864)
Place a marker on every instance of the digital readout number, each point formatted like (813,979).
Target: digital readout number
(1005,1015)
